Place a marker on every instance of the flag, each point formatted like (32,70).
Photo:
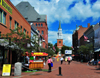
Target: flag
(54,48)
(85,38)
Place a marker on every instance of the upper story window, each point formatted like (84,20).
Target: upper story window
(16,25)
(10,19)
(21,28)
(38,31)
(27,32)
(2,17)
(42,32)
(38,24)
(41,25)
(24,31)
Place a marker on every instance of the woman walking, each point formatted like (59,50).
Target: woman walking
(49,63)
(69,59)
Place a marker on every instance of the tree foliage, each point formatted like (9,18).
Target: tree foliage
(85,49)
(65,48)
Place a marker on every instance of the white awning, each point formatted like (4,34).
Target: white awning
(5,43)
(97,50)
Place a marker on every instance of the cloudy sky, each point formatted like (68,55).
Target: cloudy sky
(69,12)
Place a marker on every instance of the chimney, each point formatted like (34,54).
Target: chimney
(88,25)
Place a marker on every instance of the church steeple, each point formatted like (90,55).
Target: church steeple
(59,31)
(59,25)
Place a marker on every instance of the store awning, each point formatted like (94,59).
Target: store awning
(39,54)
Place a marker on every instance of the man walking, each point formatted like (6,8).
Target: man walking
(61,59)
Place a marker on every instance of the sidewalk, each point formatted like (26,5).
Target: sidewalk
(74,70)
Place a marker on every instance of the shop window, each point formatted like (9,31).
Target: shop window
(42,32)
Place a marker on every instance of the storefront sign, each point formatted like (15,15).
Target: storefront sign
(6,70)
(6,6)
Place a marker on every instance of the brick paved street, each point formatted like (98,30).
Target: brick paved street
(74,70)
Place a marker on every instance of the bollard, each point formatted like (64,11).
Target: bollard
(60,71)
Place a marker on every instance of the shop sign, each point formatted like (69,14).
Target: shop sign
(6,70)
(6,6)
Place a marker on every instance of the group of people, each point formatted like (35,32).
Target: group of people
(49,61)
(66,59)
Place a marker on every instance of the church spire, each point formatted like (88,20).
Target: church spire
(59,25)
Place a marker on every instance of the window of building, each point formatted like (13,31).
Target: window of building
(0,34)
(21,28)
(38,24)
(41,25)
(59,41)
(16,24)
(38,31)
(24,31)
(27,32)
(42,32)
(10,19)
(2,17)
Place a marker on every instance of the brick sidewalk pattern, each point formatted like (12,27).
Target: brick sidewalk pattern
(74,70)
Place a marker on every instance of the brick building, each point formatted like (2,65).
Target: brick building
(77,35)
(40,21)
(10,18)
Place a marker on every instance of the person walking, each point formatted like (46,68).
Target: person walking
(65,60)
(61,59)
(69,60)
(49,63)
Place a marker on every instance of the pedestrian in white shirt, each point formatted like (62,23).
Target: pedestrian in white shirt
(61,59)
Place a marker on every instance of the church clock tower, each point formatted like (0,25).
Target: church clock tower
(60,38)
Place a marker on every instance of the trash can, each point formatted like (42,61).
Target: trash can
(17,69)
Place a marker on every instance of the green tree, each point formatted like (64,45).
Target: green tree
(19,41)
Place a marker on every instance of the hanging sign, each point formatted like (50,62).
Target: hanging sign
(6,70)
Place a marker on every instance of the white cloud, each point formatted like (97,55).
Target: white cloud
(58,9)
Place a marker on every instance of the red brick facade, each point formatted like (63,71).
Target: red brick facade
(82,30)
(14,17)
(44,29)
(59,43)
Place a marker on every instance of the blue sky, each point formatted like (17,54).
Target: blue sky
(69,12)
